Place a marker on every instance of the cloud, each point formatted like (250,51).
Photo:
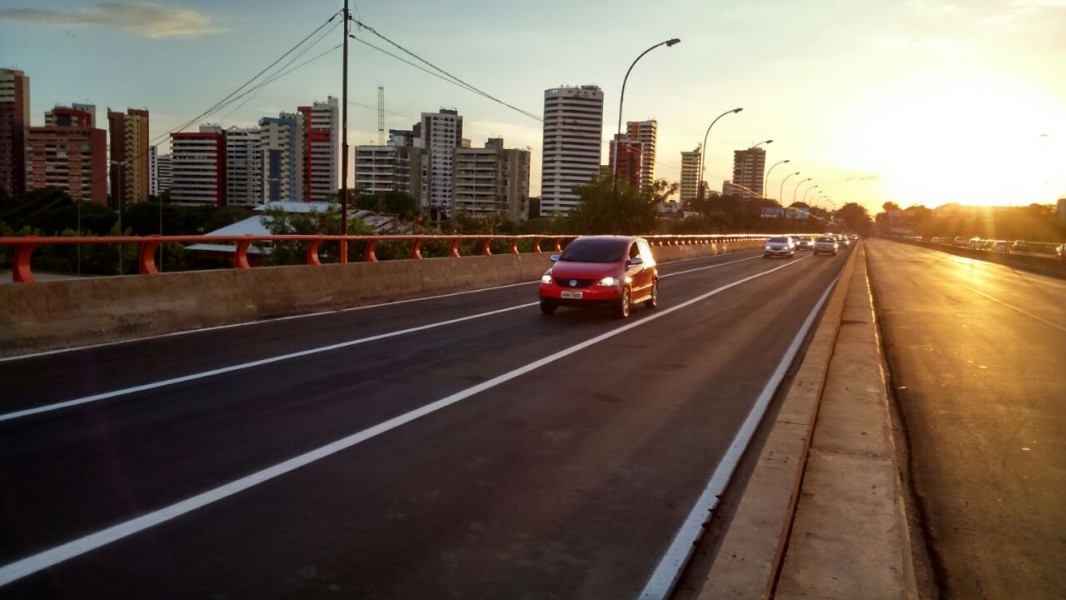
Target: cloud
(139,18)
(864,178)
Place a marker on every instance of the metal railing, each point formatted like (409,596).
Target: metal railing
(24,246)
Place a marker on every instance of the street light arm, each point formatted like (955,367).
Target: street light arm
(766,180)
(798,187)
(703,148)
(781,192)
(622,96)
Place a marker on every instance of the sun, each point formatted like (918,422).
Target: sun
(966,139)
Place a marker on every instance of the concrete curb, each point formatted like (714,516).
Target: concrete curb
(749,556)
(823,514)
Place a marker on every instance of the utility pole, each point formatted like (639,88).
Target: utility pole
(344,141)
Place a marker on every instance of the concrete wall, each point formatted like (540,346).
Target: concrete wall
(73,312)
(1033,263)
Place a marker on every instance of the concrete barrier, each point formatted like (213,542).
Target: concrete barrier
(73,312)
(1033,263)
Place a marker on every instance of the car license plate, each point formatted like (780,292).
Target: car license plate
(570,295)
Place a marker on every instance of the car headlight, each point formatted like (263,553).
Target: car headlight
(546,277)
(607,282)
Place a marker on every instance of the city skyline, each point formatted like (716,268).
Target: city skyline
(915,102)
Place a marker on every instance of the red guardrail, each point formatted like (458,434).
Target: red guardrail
(25,245)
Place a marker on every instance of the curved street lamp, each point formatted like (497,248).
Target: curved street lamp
(781,192)
(807,191)
(621,98)
(766,180)
(798,187)
(703,149)
(754,146)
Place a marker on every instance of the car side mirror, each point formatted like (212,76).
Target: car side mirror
(555,257)
(636,260)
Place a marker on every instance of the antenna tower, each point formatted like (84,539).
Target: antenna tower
(381,115)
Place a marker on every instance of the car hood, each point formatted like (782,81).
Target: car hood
(584,270)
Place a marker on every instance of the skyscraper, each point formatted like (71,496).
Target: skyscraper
(244,173)
(281,157)
(14,129)
(198,165)
(320,138)
(690,176)
(645,132)
(748,167)
(129,156)
(630,155)
(70,154)
(573,137)
(492,181)
(442,133)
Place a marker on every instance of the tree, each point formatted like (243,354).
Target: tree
(625,211)
(890,206)
(855,217)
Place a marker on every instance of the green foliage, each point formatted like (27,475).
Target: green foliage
(400,204)
(855,217)
(625,210)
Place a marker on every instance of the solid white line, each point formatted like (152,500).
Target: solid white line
(266,361)
(248,365)
(1015,308)
(58,554)
(249,323)
(665,576)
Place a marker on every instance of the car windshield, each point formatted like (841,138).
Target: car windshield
(595,251)
(777,240)
(825,240)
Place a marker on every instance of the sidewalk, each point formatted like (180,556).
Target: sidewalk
(823,516)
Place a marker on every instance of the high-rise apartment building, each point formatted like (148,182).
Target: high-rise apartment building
(630,155)
(492,181)
(748,168)
(320,138)
(690,176)
(198,163)
(442,133)
(71,155)
(75,115)
(573,138)
(159,172)
(389,168)
(129,156)
(281,155)
(14,129)
(244,172)
(645,132)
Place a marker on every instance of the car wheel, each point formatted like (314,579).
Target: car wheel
(654,300)
(621,310)
(547,307)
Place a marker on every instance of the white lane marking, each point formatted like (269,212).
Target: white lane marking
(250,323)
(1016,309)
(58,554)
(248,365)
(266,361)
(665,576)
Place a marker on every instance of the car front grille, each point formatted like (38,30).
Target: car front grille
(565,282)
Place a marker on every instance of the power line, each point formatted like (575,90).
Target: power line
(453,78)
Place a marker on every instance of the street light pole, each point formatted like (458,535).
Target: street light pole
(703,150)
(798,187)
(766,180)
(807,191)
(781,192)
(621,98)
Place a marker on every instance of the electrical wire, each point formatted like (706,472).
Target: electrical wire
(453,78)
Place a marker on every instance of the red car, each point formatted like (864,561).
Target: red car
(601,270)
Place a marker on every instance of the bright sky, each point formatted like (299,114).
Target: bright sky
(913,101)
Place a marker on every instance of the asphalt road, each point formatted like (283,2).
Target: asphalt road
(462,446)
(977,353)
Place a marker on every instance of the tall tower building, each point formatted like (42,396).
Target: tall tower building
(14,129)
(159,172)
(630,154)
(198,164)
(71,155)
(690,176)
(573,137)
(748,168)
(129,156)
(320,138)
(646,133)
(244,173)
(75,115)
(442,133)
(281,156)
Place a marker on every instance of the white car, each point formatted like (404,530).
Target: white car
(826,245)
(804,243)
(779,245)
